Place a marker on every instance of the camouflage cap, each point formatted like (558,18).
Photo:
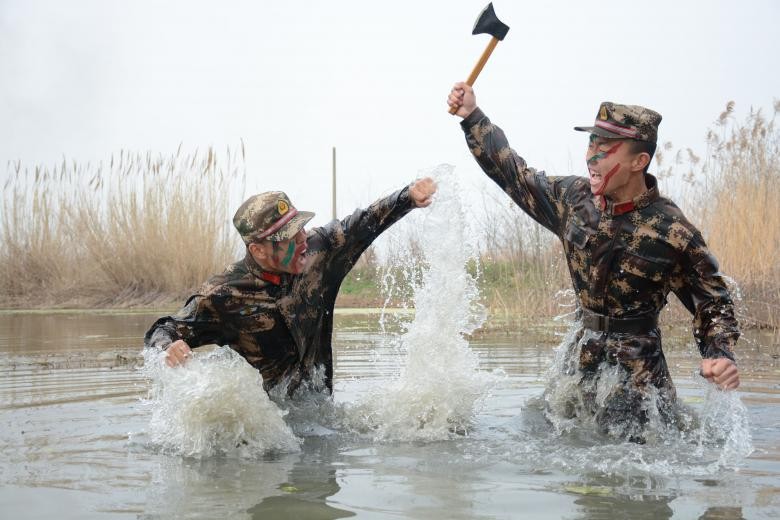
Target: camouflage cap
(271,216)
(625,122)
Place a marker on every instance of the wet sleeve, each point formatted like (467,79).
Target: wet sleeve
(703,291)
(348,238)
(198,323)
(538,195)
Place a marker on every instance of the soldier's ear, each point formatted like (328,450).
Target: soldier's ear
(640,161)
(257,251)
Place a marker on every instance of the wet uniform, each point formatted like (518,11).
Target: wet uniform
(282,323)
(623,260)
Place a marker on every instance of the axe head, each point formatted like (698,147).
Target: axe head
(488,23)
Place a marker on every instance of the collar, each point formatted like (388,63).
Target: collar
(271,277)
(259,272)
(642,200)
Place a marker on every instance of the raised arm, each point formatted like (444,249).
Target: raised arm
(538,195)
(348,238)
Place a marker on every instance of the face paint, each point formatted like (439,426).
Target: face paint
(290,252)
(603,155)
(608,176)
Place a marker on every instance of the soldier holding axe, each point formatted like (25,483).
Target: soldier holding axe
(626,247)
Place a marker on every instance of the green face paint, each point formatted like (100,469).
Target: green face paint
(290,252)
(603,154)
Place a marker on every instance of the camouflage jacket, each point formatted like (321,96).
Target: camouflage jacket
(281,324)
(623,259)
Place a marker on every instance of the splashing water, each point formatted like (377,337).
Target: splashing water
(440,388)
(214,405)
(721,441)
(724,426)
(701,442)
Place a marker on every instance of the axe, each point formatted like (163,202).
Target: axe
(487,23)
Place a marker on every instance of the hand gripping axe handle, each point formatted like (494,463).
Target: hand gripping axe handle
(487,23)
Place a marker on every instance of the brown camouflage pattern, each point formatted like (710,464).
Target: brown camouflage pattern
(633,117)
(644,381)
(259,212)
(622,265)
(282,330)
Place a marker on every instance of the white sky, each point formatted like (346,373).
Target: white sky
(85,79)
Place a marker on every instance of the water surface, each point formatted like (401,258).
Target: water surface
(75,439)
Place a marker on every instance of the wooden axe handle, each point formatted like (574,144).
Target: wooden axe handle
(478,67)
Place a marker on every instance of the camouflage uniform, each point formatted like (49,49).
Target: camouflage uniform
(281,323)
(623,260)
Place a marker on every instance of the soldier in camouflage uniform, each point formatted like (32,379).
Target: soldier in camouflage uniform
(626,247)
(275,307)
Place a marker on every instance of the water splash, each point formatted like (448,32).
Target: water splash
(724,426)
(696,442)
(311,410)
(706,450)
(214,405)
(440,388)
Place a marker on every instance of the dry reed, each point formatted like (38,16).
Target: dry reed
(735,200)
(523,272)
(141,229)
(144,229)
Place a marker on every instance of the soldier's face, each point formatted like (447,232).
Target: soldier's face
(606,160)
(287,256)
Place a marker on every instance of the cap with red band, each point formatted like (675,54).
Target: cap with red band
(615,121)
(271,216)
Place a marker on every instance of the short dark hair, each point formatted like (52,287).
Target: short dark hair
(647,147)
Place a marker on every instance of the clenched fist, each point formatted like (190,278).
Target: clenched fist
(721,371)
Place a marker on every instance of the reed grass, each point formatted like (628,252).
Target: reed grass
(735,200)
(523,270)
(137,230)
(143,229)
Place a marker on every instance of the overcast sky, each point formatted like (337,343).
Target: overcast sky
(85,79)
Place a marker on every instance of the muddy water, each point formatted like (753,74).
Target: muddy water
(75,440)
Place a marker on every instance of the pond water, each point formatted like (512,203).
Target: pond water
(77,437)
(423,422)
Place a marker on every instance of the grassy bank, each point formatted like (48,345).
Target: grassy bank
(142,230)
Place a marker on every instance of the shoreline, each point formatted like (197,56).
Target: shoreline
(166,309)
(498,322)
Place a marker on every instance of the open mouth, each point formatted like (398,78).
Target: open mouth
(300,256)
